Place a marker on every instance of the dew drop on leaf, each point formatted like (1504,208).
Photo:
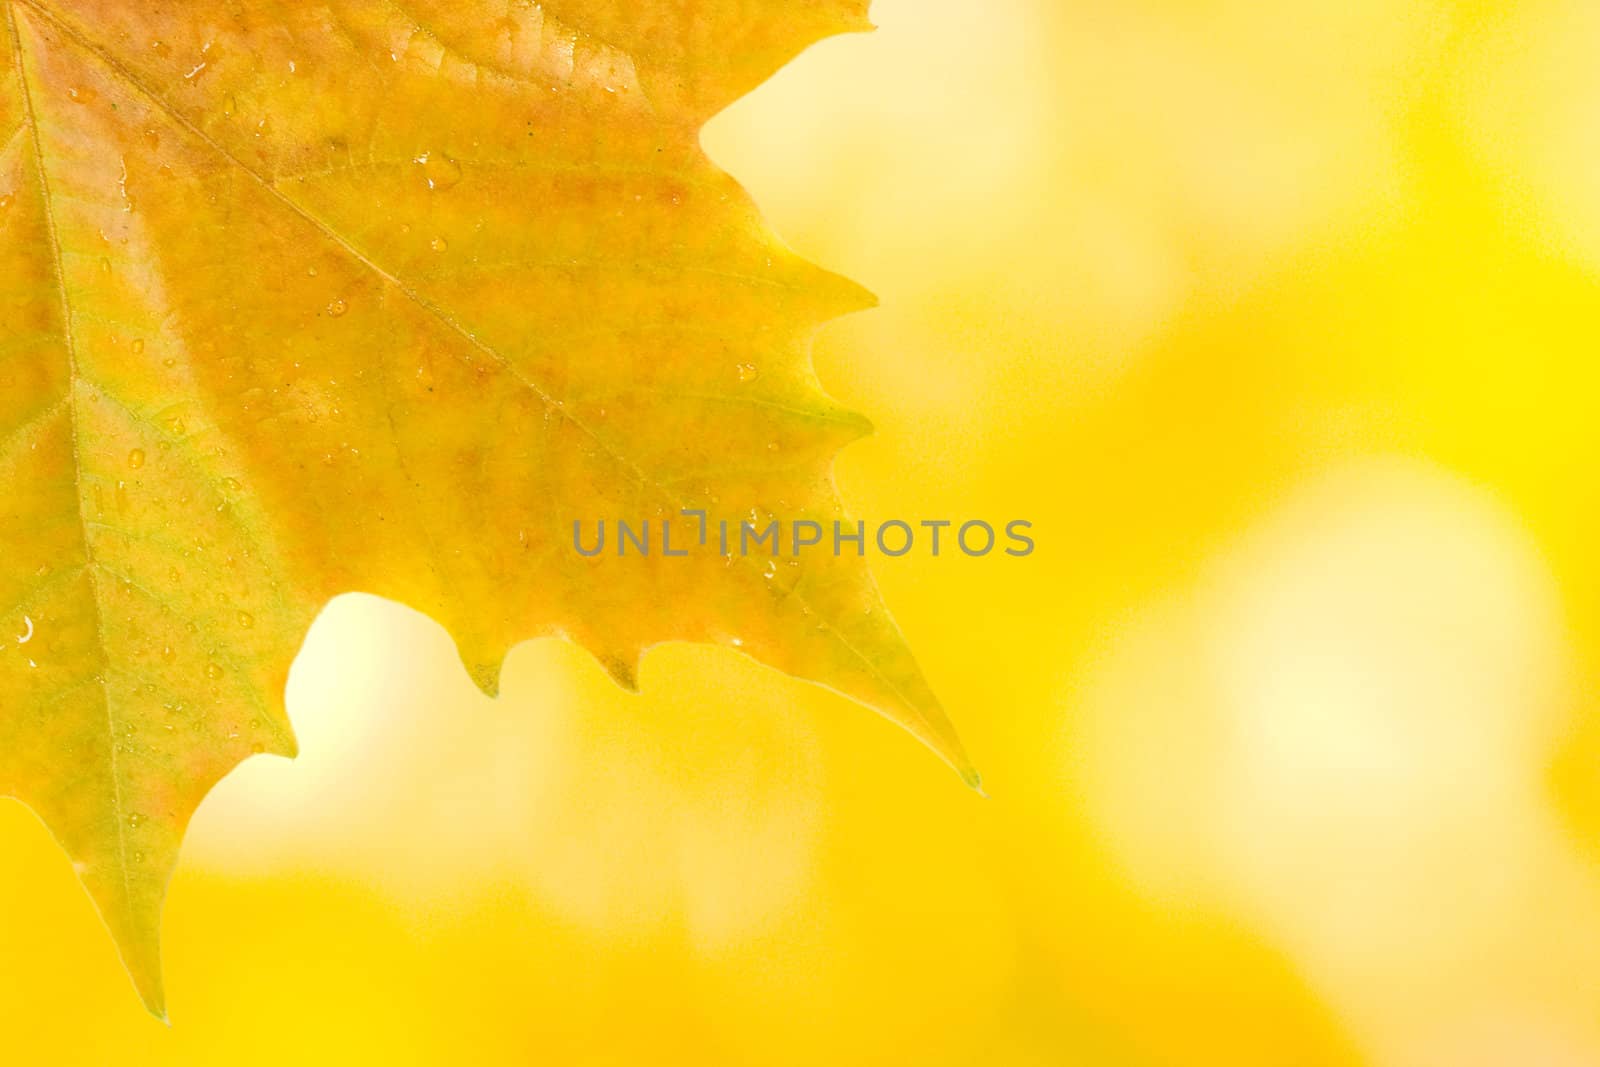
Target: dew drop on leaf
(440,172)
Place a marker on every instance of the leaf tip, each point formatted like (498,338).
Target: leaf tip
(859,19)
(486,676)
(857,426)
(835,294)
(145,971)
(483,660)
(942,740)
(285,744)
(851,296)
(135,927)
(624,670)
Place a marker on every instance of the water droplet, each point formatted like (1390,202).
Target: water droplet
(170,361)
(438,244)
(138,346)
(747,372)
(136,458)
(28,633)
(337,308)
(246,619)
(160,48)
(168,652)
(82,96)
(230,106)
(440,172)
(231,485)
(213,671)
(5,201)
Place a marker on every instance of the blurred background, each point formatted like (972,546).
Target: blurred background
(1279,321)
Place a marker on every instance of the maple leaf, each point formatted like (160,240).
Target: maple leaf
(383,295)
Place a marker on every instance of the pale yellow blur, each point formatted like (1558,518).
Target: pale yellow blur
(1280,322)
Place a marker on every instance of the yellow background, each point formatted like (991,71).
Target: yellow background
(1280,323)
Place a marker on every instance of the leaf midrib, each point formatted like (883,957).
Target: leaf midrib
(118,806)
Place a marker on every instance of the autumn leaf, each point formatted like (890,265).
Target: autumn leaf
(383,295)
